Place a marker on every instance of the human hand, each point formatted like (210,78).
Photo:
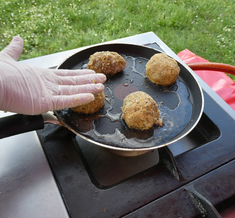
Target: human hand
(34,90)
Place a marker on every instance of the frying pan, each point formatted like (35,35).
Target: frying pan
(181,104)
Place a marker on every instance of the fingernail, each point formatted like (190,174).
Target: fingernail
(90,97)
(17,38)
(102,76)
(99,86)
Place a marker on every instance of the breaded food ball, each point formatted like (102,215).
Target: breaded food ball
(93,106)
(106,62)
(162,69)
(140,111)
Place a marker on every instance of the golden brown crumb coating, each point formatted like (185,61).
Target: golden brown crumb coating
(106,62)
(162,69)
(140,111)
(93,106)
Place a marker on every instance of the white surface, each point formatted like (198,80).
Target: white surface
(27,187)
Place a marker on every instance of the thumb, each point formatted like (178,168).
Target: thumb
(14,49)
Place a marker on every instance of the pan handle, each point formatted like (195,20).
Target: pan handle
(18,123)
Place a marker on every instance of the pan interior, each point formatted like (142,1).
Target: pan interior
(107,126)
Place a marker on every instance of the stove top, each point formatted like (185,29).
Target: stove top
(193,177)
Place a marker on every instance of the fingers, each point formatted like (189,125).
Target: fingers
(83,79)
(63,101)
(89,88)
(14,49)
(78,72)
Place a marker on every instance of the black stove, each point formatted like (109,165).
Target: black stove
(194,177)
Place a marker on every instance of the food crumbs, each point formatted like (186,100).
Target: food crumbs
(94,81)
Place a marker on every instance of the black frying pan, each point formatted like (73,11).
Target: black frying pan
(181,104)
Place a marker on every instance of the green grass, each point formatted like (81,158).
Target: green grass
(206,27)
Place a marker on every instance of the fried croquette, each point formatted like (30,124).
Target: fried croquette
(106,62)
(162,69)
(93,106)
(140,111)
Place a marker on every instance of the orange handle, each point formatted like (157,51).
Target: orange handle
(226,68)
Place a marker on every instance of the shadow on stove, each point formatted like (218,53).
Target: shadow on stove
(107,169)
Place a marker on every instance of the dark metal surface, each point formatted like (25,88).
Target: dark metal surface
(181,104)
(152,190)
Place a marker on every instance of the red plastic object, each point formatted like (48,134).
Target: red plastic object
(222,84)
(229,213)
